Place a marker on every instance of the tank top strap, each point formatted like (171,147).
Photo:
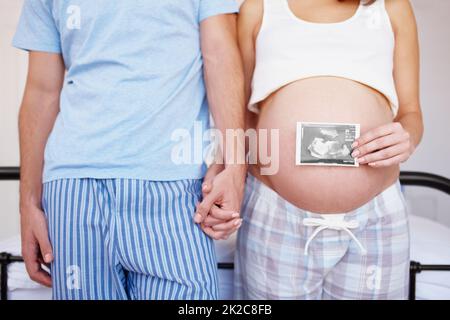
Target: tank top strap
(375,15)
(381,4)
(274,7)
(378,5)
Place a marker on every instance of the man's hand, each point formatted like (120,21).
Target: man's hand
(223,190)
(40,107)
(224,80)
(36,247)
(384,146)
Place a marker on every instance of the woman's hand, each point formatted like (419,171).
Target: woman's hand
(384,146)
(218,213)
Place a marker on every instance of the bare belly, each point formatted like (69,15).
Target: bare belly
(324,99)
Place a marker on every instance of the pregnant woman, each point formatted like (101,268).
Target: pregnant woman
(322,232)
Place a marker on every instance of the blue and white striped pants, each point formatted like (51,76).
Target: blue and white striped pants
(128,239)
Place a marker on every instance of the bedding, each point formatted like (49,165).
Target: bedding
(225,254)
(430,244)
(20,287)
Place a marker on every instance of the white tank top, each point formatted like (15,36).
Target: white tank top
(288,49)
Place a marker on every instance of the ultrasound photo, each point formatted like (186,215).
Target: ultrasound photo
(326,144)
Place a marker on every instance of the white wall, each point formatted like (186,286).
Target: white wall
(434,28)
(13,65)
(432,156)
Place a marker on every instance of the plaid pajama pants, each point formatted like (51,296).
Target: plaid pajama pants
(287,253)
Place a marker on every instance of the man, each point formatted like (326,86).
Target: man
(102,202)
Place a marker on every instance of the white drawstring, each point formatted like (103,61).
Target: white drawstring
(334,224)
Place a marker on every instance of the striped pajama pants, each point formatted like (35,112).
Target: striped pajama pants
(128,239)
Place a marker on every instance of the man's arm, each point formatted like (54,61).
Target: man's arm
(225,90)
(224,77)
(38,112)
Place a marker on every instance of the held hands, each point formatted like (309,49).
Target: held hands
(36,247)
(384,146)
(218,213)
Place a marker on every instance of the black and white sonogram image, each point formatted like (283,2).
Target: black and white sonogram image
(326,144)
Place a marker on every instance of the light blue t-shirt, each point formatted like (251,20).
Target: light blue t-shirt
(134,76)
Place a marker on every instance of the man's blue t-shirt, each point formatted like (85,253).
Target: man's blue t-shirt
(134,77)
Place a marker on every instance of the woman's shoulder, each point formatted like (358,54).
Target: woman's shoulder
(252,8)
(401,12)
(251,15)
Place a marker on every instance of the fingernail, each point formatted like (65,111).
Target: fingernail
(205,186)
(48,258)
(356,153)
(355,144)
(235,215)
(361,160)
(238,223)
(198,218)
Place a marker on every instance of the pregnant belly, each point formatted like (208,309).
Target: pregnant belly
(323,99)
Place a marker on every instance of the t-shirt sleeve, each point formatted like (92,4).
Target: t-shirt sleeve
(37,29)
(209,8)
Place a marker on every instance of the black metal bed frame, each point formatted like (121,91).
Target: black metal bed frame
(407,178)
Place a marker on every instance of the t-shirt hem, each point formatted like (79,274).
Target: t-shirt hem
(36,47)
(224,9)
(175,176)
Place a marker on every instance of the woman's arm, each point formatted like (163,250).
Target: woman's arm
(407,68)
(394,143)
(249,24)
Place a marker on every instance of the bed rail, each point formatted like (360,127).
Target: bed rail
(9,173)
(407,178)
(5,260)
(428,180)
